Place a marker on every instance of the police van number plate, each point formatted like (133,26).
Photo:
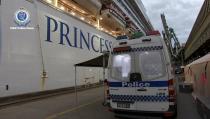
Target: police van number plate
(123,105)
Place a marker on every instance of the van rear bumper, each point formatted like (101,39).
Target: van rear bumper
(136,113)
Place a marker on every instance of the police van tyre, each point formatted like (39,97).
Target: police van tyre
(174,115)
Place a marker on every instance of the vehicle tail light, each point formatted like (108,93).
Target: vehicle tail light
(170,82)
(168,114)
(105,82)
(121,49)
(107,90)
(107,94)
(171,91)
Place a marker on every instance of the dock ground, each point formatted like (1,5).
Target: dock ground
(88,106)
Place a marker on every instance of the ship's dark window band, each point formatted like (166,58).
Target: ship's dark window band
(140,49)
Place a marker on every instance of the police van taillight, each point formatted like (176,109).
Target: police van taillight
(122,49)
(108,95)
(171,92)
(107,90)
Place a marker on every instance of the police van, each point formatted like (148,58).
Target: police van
(140,77)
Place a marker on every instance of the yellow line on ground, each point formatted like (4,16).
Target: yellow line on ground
(72,109)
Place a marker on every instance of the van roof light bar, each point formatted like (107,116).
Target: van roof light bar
(123,37)
(137,35)
(122,49)
(150,33)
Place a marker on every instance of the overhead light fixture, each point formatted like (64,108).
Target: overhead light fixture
(100,18)
(98,23)
(62,8)
(73,13)
(82,18)
(49,1)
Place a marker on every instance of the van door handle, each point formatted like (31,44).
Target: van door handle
(142,89)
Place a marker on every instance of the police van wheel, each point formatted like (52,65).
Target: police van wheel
(174,115)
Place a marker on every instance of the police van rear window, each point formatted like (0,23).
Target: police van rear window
(121,66)
(151,64)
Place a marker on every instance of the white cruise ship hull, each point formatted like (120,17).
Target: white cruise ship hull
(51,41)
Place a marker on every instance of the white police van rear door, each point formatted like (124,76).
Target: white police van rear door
(152,90)
(121,91)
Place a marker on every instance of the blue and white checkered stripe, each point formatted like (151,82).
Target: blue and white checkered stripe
(141,98)
(147,48)
(140,49)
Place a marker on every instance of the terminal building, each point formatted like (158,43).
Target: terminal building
(198,42)
(41,41)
